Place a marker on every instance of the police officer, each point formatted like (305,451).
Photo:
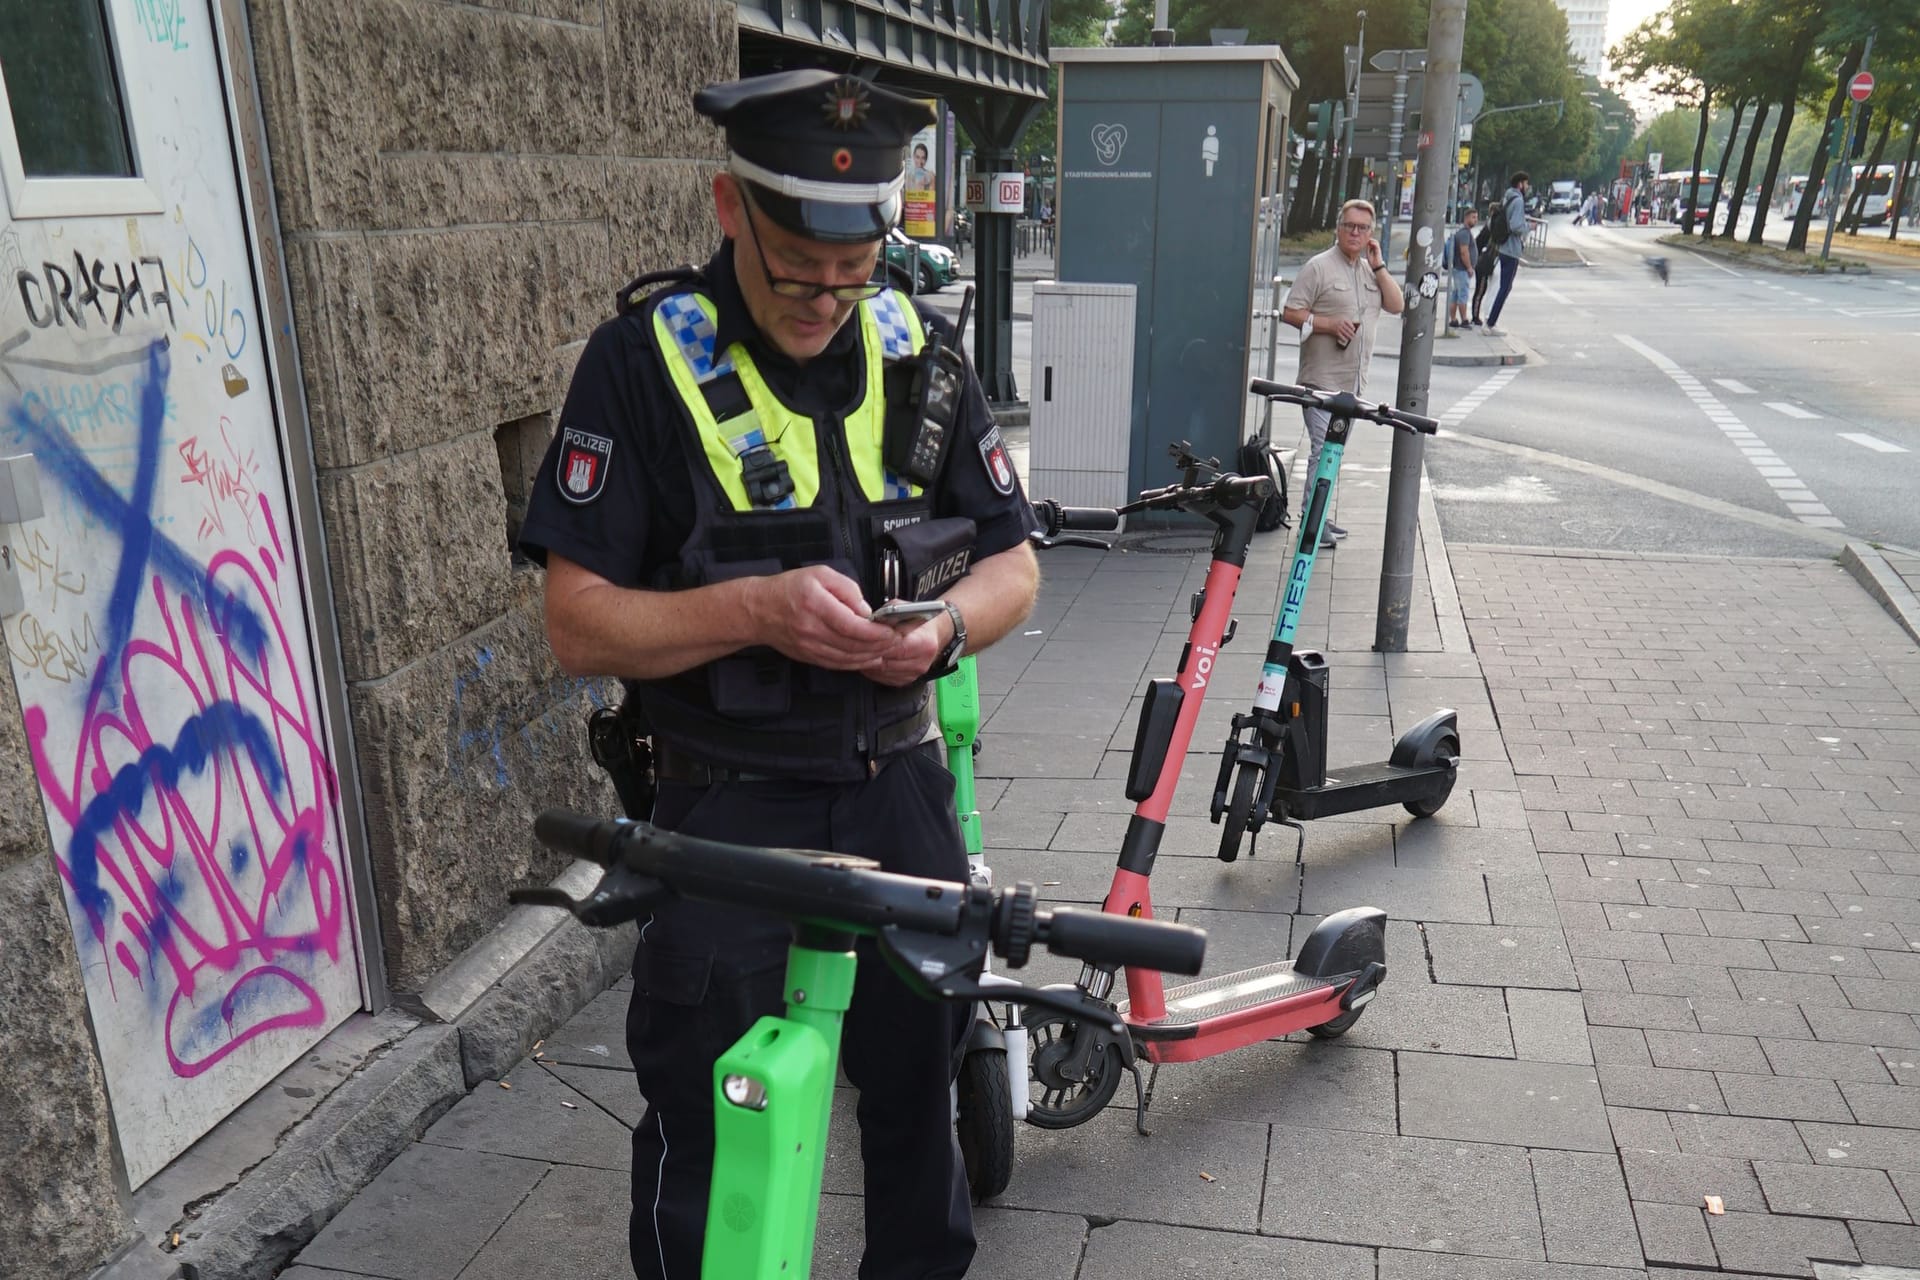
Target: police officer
(727,460)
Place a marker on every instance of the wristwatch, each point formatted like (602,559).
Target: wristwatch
(949,659)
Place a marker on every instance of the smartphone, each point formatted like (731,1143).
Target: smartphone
(907,613)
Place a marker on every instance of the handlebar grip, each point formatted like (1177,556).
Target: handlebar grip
(577,834)
(1055,518)
(1424,425)
(1262,387)
(1105,938)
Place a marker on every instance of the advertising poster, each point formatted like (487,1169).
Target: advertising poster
(918,202)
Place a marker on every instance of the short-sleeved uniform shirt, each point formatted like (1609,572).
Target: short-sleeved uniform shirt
(636,524)
(1329,285)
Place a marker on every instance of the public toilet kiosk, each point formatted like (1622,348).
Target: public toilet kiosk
(1172,174)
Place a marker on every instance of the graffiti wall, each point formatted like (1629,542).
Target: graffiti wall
(171,705)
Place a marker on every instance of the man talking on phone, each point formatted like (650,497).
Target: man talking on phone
(738,443)
(1335,303)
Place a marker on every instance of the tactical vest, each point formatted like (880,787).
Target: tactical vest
(775,489)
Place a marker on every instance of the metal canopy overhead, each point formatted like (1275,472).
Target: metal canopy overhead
(944,47)
(986,58)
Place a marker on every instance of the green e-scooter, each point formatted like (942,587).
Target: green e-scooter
(773,1090)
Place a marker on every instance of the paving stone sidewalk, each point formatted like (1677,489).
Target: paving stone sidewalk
(1662,944)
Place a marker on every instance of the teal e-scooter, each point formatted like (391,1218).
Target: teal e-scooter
(1274,765)
(773,1090)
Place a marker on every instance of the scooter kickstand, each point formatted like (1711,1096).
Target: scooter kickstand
(1299,836)
(1140,1099)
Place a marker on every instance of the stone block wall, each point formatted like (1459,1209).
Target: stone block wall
(56,1177)
(461,188)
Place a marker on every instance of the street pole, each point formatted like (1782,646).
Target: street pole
(1396,131)
(1349,173)
(1446,34)
(1842,156)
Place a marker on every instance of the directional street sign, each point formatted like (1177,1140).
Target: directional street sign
(1861,86)
(1399,60)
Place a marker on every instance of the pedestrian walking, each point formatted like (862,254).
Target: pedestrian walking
(733,449)
(1336,303)
(1486,254)
(1509,241)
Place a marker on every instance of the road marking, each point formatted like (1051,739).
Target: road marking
(1764,461)
(1457,412)
(1738,388)
(1874,443)
(1521,490)
(1791,410)
(1553,293)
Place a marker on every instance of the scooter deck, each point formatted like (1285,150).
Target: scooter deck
(1352,788)
(1196,1002)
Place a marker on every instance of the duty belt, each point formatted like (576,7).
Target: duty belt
(672,764)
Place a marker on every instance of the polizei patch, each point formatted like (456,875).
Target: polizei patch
(993,455)
(582,473)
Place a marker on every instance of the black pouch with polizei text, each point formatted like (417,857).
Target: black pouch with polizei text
(918,561)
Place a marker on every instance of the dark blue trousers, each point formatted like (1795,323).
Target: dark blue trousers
(703,974)
(1509,268)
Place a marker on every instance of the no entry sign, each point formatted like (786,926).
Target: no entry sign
(1861,86)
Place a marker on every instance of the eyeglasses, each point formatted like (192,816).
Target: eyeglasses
(806,290)
(1358,228)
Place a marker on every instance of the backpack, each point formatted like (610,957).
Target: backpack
(1497,228)
(1253,462)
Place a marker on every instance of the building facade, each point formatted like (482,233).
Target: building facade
(291,294)
(1587,33)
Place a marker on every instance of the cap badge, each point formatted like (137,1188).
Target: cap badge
(842,159)
(846,103)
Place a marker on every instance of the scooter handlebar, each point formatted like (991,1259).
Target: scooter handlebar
(1344,404)
(577,834)
(1055,519)
(854,892)
(1103,938)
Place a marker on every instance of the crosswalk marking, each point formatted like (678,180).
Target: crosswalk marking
(1793,493)
(1791,410)
(1738,388)
(1874,443)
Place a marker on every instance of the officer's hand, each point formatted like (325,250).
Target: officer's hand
(913,651)
(817,615)
(1345,330)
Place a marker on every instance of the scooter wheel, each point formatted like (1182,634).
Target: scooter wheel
(1238,812)
(1058,1102)
(1446,749)
(1336,1028)
(984,1121)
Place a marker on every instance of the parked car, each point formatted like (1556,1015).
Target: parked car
(933,264)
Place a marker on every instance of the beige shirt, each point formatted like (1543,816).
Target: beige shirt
(1328,285)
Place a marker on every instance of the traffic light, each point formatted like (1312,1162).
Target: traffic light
(1860,130)
(1837,137)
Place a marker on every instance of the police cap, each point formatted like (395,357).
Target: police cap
(821,150)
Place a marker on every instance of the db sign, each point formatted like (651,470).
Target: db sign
(1007,193)
(976,194)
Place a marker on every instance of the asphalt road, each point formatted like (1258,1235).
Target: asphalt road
(1732,411)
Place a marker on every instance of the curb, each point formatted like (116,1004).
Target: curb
(1012,413)
(1883,584)
(1476,361)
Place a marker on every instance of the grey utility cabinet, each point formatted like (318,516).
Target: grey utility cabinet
(1171,174)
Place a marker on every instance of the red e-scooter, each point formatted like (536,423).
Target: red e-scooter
(1076,1065)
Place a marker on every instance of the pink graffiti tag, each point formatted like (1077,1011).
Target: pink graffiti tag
(220,925)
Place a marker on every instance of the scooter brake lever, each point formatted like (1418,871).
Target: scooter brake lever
(621,895)
(1042,543)
(1066,1000)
